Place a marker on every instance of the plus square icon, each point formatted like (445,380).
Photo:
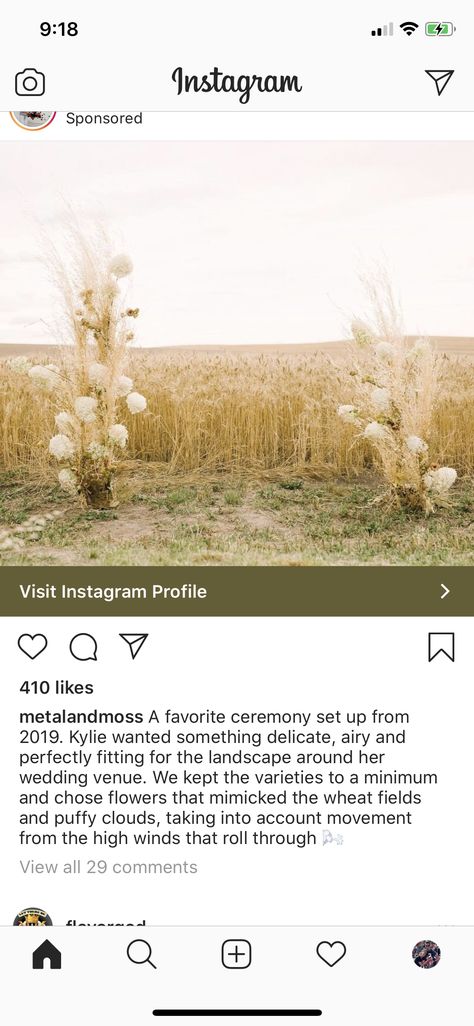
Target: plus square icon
(236,954)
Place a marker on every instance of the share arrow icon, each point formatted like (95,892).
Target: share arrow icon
(440,79)
(134,642)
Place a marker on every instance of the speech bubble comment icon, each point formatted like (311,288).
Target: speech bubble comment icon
(83,647)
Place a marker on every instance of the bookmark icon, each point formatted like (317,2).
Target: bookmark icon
(441,644)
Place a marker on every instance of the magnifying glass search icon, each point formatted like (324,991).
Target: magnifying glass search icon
(139,952)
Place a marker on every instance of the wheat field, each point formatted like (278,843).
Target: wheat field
(247,411)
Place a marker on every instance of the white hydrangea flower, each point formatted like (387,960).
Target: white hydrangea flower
(346,412)
(118,433)
(421,346)
(380,399)
(61,447)
(136,402)
(20,364)
(37,373)
(85,407)
(440,480)
(97,373)
(124,385)
(67,480)
(360,330)
(96,450)
(48,376)
(375,431)
(63,420)
(121,266)
(386,350)
(416,444)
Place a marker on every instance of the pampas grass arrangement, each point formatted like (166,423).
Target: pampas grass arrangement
(395,386)
(88,393)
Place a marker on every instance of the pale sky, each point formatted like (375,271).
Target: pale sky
(244,242)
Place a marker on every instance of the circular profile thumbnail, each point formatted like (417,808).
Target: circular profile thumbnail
(426,954)
(32,917)
(33,120)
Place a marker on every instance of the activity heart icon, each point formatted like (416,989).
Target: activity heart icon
(32,644)
(331,952)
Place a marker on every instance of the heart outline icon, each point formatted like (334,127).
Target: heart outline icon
(32,650)
(328,946)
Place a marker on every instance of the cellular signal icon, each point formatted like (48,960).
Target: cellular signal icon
(385,30)
(409,27)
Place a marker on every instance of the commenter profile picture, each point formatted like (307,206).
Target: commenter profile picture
(32,917)
(33,120)
(426,954)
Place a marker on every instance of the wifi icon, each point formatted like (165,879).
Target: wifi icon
(409,27)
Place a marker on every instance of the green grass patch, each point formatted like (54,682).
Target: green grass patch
(238,522)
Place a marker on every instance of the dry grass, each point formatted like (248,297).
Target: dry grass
(220,520)
(226,412)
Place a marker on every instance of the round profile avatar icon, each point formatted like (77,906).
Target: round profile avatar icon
(33,120)
(426,954)
(32,917)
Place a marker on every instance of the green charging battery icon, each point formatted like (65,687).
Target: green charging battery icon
(439,28)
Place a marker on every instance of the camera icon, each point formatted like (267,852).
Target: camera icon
(30,82)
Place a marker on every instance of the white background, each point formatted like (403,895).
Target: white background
(124,58)
(384,875)
(375,982)
(244,242)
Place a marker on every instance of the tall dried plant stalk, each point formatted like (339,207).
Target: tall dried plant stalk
(87,392)
(394,386)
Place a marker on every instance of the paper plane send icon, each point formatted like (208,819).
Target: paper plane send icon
(440,79)
(134,642)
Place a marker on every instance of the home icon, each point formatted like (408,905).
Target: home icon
(46,951)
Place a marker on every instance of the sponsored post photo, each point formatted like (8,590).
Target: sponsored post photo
(237,354)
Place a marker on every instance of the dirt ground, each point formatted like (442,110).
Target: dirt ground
(228,521)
